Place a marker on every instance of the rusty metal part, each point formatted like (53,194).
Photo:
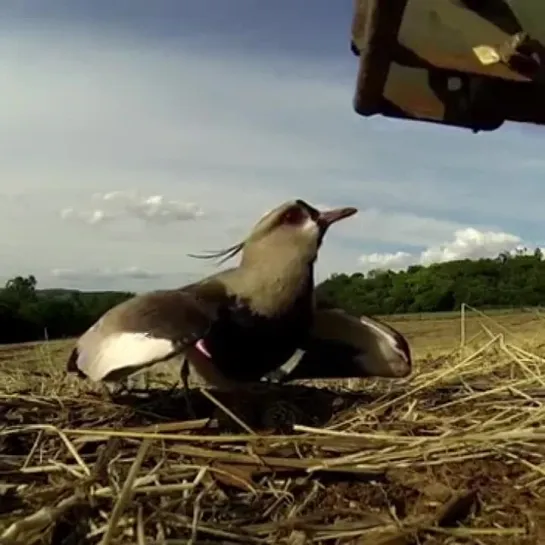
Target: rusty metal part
(524,54)
(530,15)
(461,100)
(505,52)
(438,33)
(519,52)
(434,71)
(511,46)
(375,29)
(442,97)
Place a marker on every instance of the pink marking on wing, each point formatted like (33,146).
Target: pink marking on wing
(199,345)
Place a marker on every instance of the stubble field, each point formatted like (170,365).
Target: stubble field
(454,454)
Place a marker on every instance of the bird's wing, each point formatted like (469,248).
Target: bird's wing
(346,346)
(146,329)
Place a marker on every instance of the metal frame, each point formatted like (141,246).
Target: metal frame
(454,62)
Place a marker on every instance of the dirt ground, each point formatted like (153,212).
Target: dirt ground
(453,454)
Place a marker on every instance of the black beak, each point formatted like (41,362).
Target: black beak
(329,217)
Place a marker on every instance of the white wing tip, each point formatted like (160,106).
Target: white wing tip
(121,353)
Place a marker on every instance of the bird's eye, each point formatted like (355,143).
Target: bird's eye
(293,216)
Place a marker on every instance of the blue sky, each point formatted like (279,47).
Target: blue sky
(134,132)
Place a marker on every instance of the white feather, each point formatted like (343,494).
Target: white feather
(288,366)
(122,351)
(390,339)
(310,226)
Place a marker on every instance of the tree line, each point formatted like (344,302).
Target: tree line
(29,314)
(507,281)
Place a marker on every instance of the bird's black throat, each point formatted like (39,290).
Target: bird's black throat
(245,345)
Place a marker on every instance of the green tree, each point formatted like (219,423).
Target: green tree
(27,314)
(510,280)
(22,288)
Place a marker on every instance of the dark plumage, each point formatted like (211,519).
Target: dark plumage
(345,346)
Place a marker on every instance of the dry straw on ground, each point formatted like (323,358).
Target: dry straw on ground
(455,454)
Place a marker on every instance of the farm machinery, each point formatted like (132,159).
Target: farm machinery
(466,63)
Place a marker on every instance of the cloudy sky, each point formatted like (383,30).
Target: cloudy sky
(133,132)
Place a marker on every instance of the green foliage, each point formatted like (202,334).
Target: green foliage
(508,281)
(28,314)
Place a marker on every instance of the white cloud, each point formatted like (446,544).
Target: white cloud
(468,243)
(130,278)
(91,217)
(393,261)
(118,205)
(471,244)
(130,272)
(397,227)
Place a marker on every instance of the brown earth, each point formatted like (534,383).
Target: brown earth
(454,454)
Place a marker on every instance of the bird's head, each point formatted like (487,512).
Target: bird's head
(292,228)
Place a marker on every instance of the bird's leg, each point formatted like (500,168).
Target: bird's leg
(110,390)
(133,384)
(184,374)
(173,388)
(138,382)
(105,392)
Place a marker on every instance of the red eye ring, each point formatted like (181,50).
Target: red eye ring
(293,216)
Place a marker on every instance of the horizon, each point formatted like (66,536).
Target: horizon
(368,274)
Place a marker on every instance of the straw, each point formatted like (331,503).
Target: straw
(455,452)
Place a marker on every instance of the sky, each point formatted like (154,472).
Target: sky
(135,132)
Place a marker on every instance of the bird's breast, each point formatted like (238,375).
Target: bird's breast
(245,345)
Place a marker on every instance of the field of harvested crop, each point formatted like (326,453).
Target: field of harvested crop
(454,454)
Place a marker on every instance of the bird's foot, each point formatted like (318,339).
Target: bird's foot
(189,405)
(129,386)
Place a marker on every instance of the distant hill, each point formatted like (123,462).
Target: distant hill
(62,292)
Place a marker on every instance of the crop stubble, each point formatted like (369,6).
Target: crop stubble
(454,454)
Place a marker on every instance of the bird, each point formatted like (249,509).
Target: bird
(233,326)
(345,346)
